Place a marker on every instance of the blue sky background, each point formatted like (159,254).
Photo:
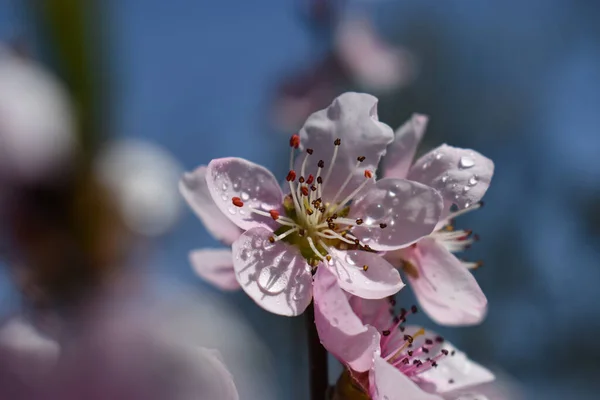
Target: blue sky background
(519,82)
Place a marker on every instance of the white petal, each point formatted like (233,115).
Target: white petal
(401,152)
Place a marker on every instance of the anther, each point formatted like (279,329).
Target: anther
(321,164)
(337,141)
(386,333)
(356,242)
(367,247)
(361,158)
(274,214)
(445,352)
(365,267)
(439,339)
(301,232)
(237,202)
(291,176)
(428,342)
(295,141)
(368,174)
(413,309)
(319,180)
(310,180)
(313,188)
(301,179)
(271,239)
(304,190)
(309,151)
(359,221)
(328,257)
(382,226)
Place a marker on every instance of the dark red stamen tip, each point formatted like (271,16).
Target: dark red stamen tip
(368,174)
(361,158)
(274,214)
(337,141)
(310,180)
(237,202)
(321,164)
(295,141)
(309,151)
(291,176)
(304,190)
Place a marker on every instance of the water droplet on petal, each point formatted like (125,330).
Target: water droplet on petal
(426,165)
(473,180)
(224,197)
(224,186)
(466,162)
(350,260)
(444,178)
(245,196)
(439,156)
(466,189)
(272,281)
(467,204)
(232,210)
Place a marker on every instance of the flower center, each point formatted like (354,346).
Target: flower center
(313,224)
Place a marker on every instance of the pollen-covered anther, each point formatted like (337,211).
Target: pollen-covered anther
(319,180)
(309,151)
(337,142)
(313,188)
(365,267)
(328,257)
(301,179)
(321,164)
(359,221)
(271,239)
(274,214)
(291,176)
(304,190)
(295,141)
(361,158)
(368,174)
(310,179)
(237,202)
(382,226)
(386,332)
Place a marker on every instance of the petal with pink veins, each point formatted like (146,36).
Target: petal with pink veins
(446,290)
(253,184)
(461,175)
(215,266)
(401,152)
(365,274)
(388,383)
(194,189)
(274,275)
(352,118)
(341,332)
(409,211)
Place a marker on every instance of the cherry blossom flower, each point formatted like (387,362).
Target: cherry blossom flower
(213,265)
(335,214)
(386,359)
(443,284)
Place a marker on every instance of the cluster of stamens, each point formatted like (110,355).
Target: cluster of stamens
(398,347)
(459,240)
(310,222)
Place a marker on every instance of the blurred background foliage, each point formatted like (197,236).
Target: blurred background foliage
(517,81)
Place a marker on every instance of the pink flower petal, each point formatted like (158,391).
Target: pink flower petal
(401,152)
(388,383)
(215,266)
(352,117)
(253,184)
(274,275)
(213,380)
(340,330)
(372,312)
(454,372)
(446,290)
(461,175)
(194,189)
(409,210)
(379,280)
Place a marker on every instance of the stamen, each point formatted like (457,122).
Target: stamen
(294,144)
(274,214)
(355,192)
(314,248)
(337,144)
(277,238)
(291,176)
(341,189)
(237,202)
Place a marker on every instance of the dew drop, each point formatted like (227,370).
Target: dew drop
(426,165)
(350,260)
(224,197)
(444,178)
(236,186)
(245,196)
(467,204)
(231,210)
(439,156)
(466,162)
(466,189)
(473,180)
(271,281)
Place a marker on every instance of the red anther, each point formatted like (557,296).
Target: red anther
(295,141)
(291,176)
(368,174)
(237,202)
(274,214)
(304,190)
(301,179)
(310,179)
